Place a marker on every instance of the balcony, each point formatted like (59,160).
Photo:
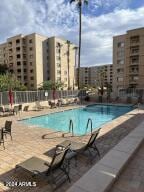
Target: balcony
(134,63)
(134,52)
(136,71)
(9,44)
(134,39)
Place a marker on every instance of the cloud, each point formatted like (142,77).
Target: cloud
(59,18)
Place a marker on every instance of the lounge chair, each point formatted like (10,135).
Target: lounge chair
(82,147)
(1,138)
(16,109)
(38,106)
(26,108)
(2,110)
(37,166)
(7,128)
(5,110)
(52,104)
(20,108)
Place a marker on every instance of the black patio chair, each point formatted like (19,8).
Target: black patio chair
(26,108)
(7,129)
(2,110)
(37,166)
(1,138)
(20,108)
(82,147)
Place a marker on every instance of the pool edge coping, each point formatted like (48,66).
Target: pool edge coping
(103,174)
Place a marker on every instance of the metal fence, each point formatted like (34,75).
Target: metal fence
(41,95)
(131,92)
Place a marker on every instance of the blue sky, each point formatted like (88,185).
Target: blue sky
(101,20)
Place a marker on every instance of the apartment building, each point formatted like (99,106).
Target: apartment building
(128,57)
(36,58)
(91,75)
(84,74)
(62,61)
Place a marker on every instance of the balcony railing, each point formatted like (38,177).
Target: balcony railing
(134,63)
(133,71)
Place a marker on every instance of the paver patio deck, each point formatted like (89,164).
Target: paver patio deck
(132,178)
(31,141)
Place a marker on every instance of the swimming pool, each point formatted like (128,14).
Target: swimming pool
(99,114)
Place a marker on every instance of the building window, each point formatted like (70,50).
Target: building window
(134,78)
(120,53)
(31,71)
(25,70)
(10,43)
(10,50)
(24,56)
(18,56)
(19,70)
(18,63)
(58,72)
(31,78)
(135,59)
(17,48)
(17,41)
(11,71)
(11,65)
(30,48)
(120,70)
(134,49)
(120,62)
(58,65)
(25,77)
(31,56)
(134,39)
(32,85)
(30,41)
(11,58)
(31,64)
(120,44)
(58,79)
(24,63)
(58,58)
(120,79)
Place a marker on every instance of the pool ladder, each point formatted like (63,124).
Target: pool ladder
(71,127)
(91,127)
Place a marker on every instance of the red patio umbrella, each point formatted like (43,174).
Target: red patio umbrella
(11,99)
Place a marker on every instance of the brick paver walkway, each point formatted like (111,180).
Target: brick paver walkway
(31,141)
(132,178)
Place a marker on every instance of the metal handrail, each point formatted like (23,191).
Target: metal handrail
(89,121)
(71,127)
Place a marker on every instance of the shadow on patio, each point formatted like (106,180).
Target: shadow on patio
(104,143)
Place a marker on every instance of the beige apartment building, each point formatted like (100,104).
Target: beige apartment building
(91,75)
(128,60)
(36,58)
(61,57)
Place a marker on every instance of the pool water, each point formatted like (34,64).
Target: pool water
(99,114)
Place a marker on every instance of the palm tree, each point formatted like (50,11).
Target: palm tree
(101,76)
(74,80)
(68,61)
(79,5)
